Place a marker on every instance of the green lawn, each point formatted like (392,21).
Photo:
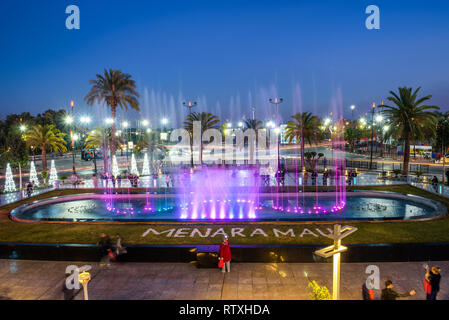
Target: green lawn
(368,232)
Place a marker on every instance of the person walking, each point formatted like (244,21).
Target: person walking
(225,254)
(105,248)
(368,294)
(435,183)
(433,277)
(389,294)
(119,249)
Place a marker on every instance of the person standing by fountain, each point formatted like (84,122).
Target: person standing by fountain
(225,254)
(95,181)
(105,247)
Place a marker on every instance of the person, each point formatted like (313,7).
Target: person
(119,249)
(389,294)
(306,177)
(433,276)
(368,294)
(95,180)
(105,247)
(74,179)
(225,254)
(435,183)
(325,176)
(113,181)
(29,189)
(447,177)
(167,180)
(119,181)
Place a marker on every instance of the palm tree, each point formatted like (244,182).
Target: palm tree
(207,120)
(101,137)
(116,89)
(409,119)
(46,138)
(152,143)
(303,128)
(253,124)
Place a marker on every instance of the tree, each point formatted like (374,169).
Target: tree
(409,118)
(46,138)
(207,120)
(352,134)
(101,137)
(253,124)
(303,128)
(441,143)
(116,89)
(150,141)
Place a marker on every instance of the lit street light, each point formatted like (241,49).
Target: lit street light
(190,105)
(276,101)
(352,111)
(85,120)
(335,251)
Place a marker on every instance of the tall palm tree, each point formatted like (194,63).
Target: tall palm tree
(46,138)
(208,121)
(116,89)
(409,118)
(303,127)
(101,137)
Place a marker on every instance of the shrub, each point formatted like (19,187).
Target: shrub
(319,293)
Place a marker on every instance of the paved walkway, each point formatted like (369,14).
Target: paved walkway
(45,279)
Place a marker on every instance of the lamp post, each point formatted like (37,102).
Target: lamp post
(125,125)
(190,105)
(276,102)
(335,251)
(443,148)
(84,279)
(372,136)
(352,111)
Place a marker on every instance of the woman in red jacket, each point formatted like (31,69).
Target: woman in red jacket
(225,254)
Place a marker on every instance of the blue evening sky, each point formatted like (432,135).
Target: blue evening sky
(228,55)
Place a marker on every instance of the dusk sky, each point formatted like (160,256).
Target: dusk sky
(227,55)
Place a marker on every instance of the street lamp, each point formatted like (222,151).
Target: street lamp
(352,111)
(335,251)
(270,124)
(372,136)
(190,105)
(84,279)
(276,101)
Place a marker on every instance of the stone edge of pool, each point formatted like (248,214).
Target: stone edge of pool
(437,206)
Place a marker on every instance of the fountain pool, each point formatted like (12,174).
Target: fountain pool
(325,206)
